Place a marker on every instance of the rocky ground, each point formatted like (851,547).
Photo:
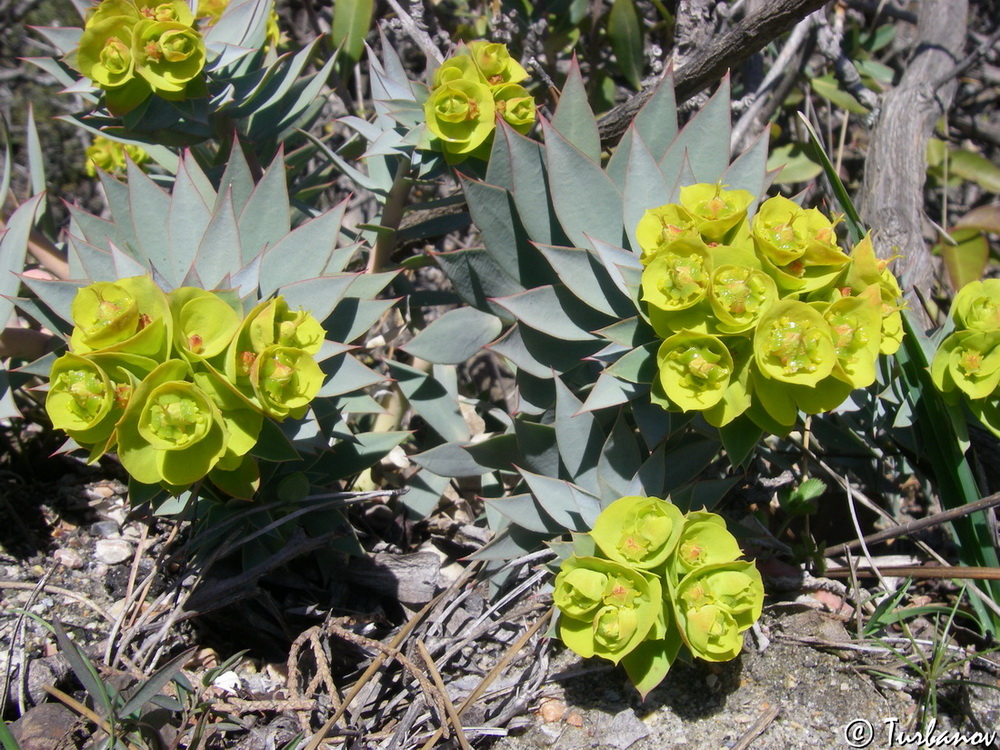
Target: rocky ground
(803,680)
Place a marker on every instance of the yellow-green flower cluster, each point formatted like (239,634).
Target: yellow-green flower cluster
(967,363)
(109,155)
(179,384)
(767,317)
(134,48)
(662,579)
(470,90)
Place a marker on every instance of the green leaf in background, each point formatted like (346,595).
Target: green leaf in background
(976,168)
(351,20)
(625,35)
(827,87)
(966,261)
(796,162)
(432,400)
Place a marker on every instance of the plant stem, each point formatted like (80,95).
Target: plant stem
(392,215)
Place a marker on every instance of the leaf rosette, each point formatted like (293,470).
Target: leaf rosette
(638,531)
(715,604)
(616,606)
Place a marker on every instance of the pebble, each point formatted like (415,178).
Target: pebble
(112,551)
(68,558)
(105,529)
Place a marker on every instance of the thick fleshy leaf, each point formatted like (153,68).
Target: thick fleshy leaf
(187,220)
(13,247)
(455,337)
(526,513)
(749,171)
(620,460)
(583,274)
(429,397)
(657,120)
(574,119)
(346,374)
(479,279)
(560,501)
(450,460)
(266,218)
(645,187)
(538,447)
(301,254)
(423,492)
(705,139)
(554,311)
(529,182)
(217,252)
(578,185)
(610,391)
(579,437)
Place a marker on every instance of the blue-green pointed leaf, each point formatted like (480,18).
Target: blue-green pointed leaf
(499,452)
(526,513)
(341,256)
(540,355)
(319,296)
(610,391)
(511,543)
(704,494)
(149,206)
(266,218)
(492,209)
(554,311)
(655,423)
(347,458)
(657,120)
(116,196)
(36,162)
(218,252)
(574,119)
(354,317)
(538,446)
(645,187)
(630,333)
(586,200)
(237,181)
(455,337)
(619,461)
(88,262)
(423,493)
(126,265)
(450,460)
(534,395)
(638,366)
(13,247)
(557,499)
(478,278)
(64,38)
(586,277)
(347,375)
(579,436)
(95,230)
(749,171)
(187,221)
(8,410)
(434,402)
(618,163)
(302,254)
(530,188)
(705,138)
(370,285)
(498,168)
(623,266)
(57,295)
(687,456)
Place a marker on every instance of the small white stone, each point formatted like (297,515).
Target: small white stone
(68,558)
(112,551)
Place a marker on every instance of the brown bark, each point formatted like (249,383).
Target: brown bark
(750,35)
(892,193)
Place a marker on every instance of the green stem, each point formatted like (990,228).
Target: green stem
(392,215)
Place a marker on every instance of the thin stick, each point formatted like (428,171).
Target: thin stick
(449,707)
(972,572)
(51,589)
(758,727)
(905,529)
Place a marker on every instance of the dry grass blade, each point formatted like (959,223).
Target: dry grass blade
(449,707)
(500,666)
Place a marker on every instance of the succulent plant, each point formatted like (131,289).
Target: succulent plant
(195,329)
(666,580)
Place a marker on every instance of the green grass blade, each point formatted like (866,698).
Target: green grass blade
(855,228)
